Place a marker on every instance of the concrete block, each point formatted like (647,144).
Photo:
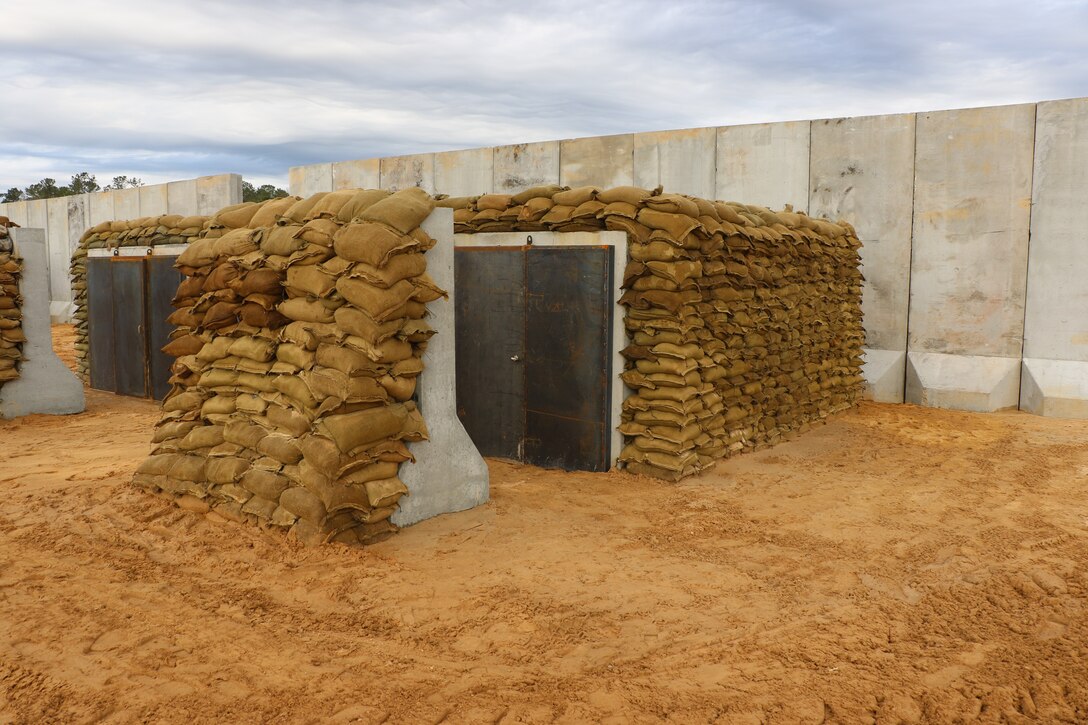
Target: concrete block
(449,474)
(16,211)
(524,165)
(603,161)
(862,170)
(972,198)
(681,161)
(181,198)
(313,179)
(963,382)
(885,374)
(402,172)
(464,173)
(1055,388)
(360,174)
(126,203)
(764,164)
(154,199)
(101,208)
(215,192)
(1056,318)
(45,384)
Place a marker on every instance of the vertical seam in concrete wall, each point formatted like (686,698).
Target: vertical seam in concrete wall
(910,263)
(1027,252)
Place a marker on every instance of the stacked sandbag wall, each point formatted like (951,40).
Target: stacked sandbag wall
(144,232)
(11,316)
(744,324)
(300,333)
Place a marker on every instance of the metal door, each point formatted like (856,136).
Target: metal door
(568,358)
(130,325)
(534,370)
(162,285)
(490,334)
(100,323)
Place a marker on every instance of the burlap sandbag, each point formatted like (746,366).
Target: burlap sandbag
(373,244)
(404,210)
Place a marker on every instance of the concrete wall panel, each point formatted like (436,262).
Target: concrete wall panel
(972,203)
(603,161)
(154,200)
(126,204)
(181,197)
(77,219)
(1056,322)
(681,161)
(56,244)
(524,165)
(764,164)
(464,173)
(863,171)
(358,174)
(215,192)
(37,214)
(403,172)
(16,211)
(311,179)
(101,208)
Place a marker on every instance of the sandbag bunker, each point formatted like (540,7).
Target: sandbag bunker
(744,324)
(11,316)
(300,331)
(301,326)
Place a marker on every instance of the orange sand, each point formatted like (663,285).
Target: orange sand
(897,565)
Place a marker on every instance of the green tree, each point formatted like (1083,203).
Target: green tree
(83,183)
(12,194)
(45,189)
(261,193)
(123,182)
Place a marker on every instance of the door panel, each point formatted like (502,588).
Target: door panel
(130,326)
(163,281)
(490,333)
(568,360)
(100,323)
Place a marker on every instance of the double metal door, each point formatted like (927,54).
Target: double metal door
(534,353)
(128,301)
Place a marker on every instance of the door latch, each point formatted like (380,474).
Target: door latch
(515,358)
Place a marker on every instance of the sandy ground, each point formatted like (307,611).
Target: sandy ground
(897,565)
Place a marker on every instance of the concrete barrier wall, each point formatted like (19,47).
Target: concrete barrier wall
(943,202)
(65,218)
(862,169)
(1054,377)
(972,205)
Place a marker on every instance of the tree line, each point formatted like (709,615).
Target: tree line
(86,183)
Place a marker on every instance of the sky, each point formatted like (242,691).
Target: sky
(174,90)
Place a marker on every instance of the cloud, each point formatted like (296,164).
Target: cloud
(171,90)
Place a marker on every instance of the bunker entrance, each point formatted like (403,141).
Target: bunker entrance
(534,362)
(128,303)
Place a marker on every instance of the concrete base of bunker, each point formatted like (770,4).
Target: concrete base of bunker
(44,384)
(449,474)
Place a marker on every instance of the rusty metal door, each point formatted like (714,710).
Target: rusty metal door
(534,340)
(100,323)
(162,285)
(490,336)
(130,325)
(568,358)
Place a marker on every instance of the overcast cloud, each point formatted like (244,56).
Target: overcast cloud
(170,90)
